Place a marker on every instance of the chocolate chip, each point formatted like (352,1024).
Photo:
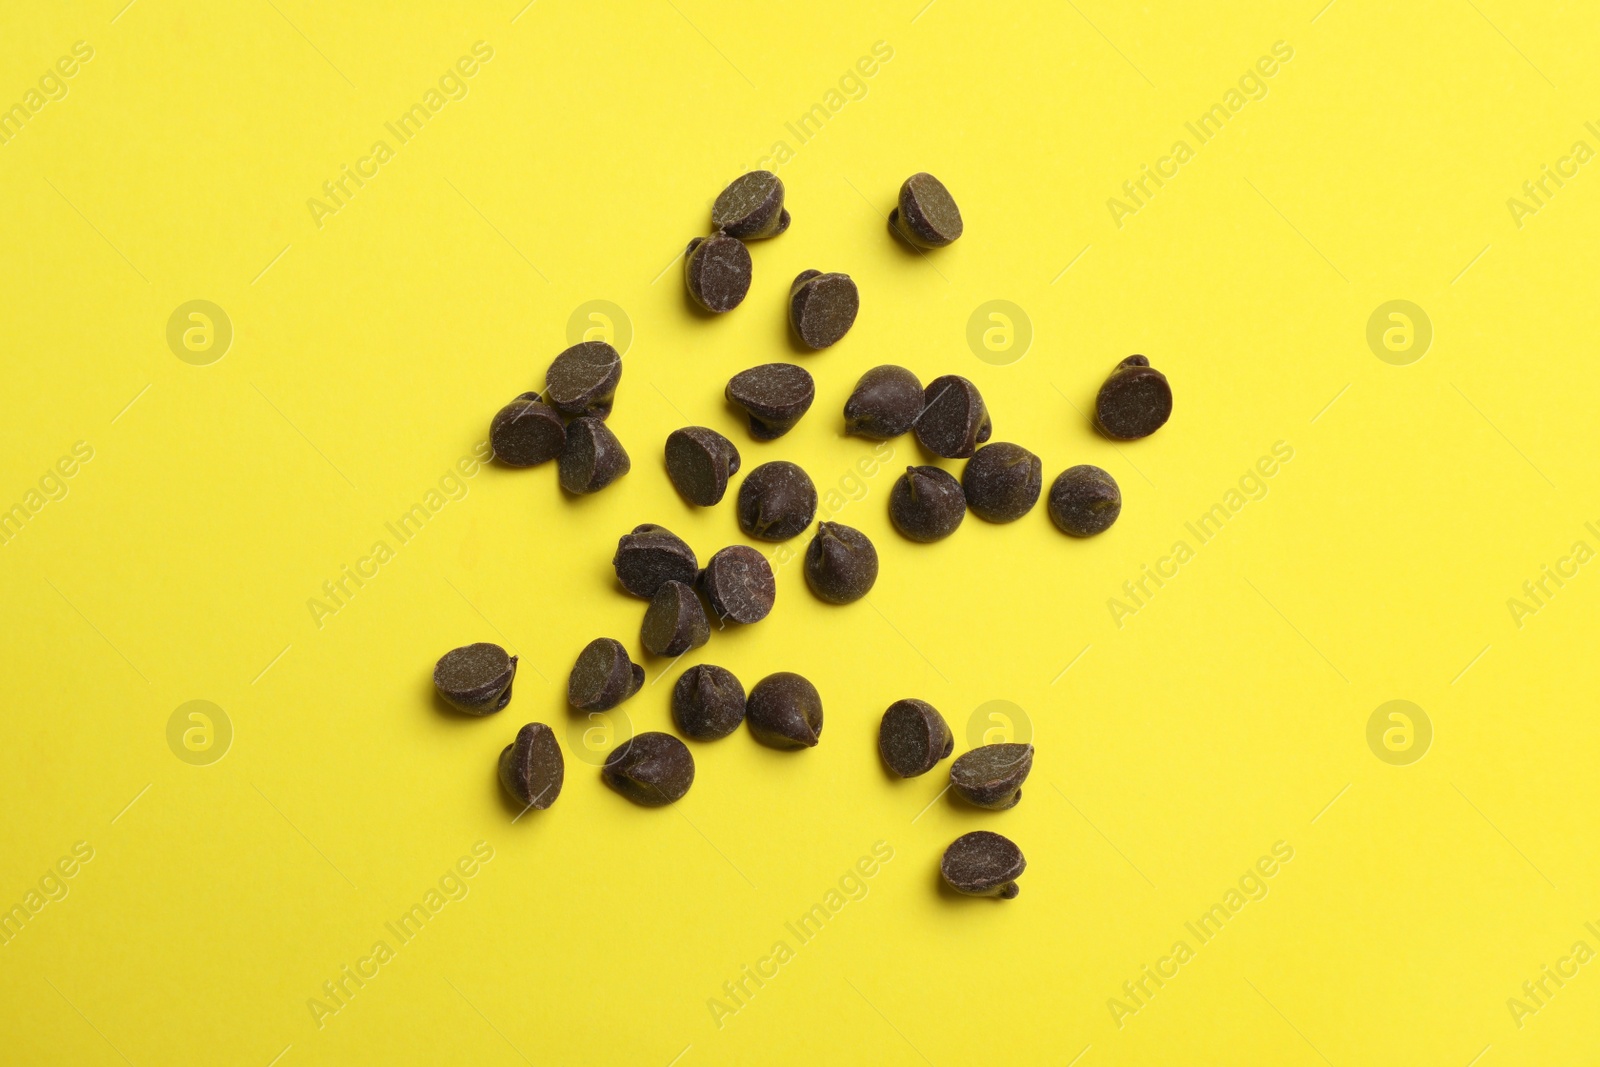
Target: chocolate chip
(913,737)
(991,776)
(926,504)
(784,711)
(738,584)
(531,767)
(651,556)
(717,270)
(707,702)
(651,769)
(773,396)
(822,307)
(751,206)
(885,404)
(1084,500)
(603,677)
(699,461)
(674,622)
(1002,482)
(954,421)
(526,432)
(593,458)
(841,563)
(583,379)
(927,216)
(983,864)
(1135,401)
(475,678)
(776,501)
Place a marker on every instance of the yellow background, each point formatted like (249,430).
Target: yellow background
(1224,716)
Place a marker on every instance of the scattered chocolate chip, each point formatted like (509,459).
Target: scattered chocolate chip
(926,504)
(773,396)
(583,379)
(717,270)
(991,776)
(1001,482)
(784,711)
(603,677)
(651,556)
(593,458)
(841,563)
(913,737)
(526,432)
(927,216)
(707,702)
(651,769)
(699,461)
(776,501)
(1084,500)
(954,421)
(983,864)
(475,678)
(822,307)
(1135,401)
(885,404)
(738,584)
(674,622)
(531,767)
(751,206)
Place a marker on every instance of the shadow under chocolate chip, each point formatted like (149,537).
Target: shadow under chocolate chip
(991,776)
(674,622)
(526,432)
(593,457)
(1135,401)
(717,270)
(583,379)
(650,769)
(926,215)
(699,463)
(707,702)
(913,737)
(773,396)
(983,864)
(885,403)
(926,504)
(651,556)
(1002,482)
(751,207)
(532,768)
(841,563)
(603,676)
(954,420)
(1084,500)
(738,584)
(822,307)
(776,501)
(784,710)
(475,678)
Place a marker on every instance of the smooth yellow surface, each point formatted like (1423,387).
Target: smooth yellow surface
(1177,743)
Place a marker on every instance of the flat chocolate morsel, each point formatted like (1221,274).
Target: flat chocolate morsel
(475,678)
(707,702)
(1002,482)
(926,216)
(983,864)
(822,307)
(1084,500)
(651,556)
(841,563)
(885,404)
(675,621)
(593,458)
(650,769)
(583,379)
(954,421)
(926,504)
(526,432)
(913,737)
(738,584)
(991,776)
(751,207)
(699,462)
(776,501)
(717,270)
(603,677)
(1135,401)
(784,711)
(773,396)
(532,768)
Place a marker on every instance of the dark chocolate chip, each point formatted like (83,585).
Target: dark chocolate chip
(927,216)
(707,702)
(651,556)
(1084,500)
(1135,401)
(476,678)
(738,584)
(773,396)
(1002,482)
(603,677)
(784,711)
(841,563)
(751,206)
(983,864)
(822,307)
(674,622)
(954,421)
(651,769)
(531,767)
(776,501)
(717,270)
(593,458)
(699,461)
(913,737)
(526,432)
(583,379)
(991,776)
(885,404)
(926,504)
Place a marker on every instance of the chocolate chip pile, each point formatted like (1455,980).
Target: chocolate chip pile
(776,501)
